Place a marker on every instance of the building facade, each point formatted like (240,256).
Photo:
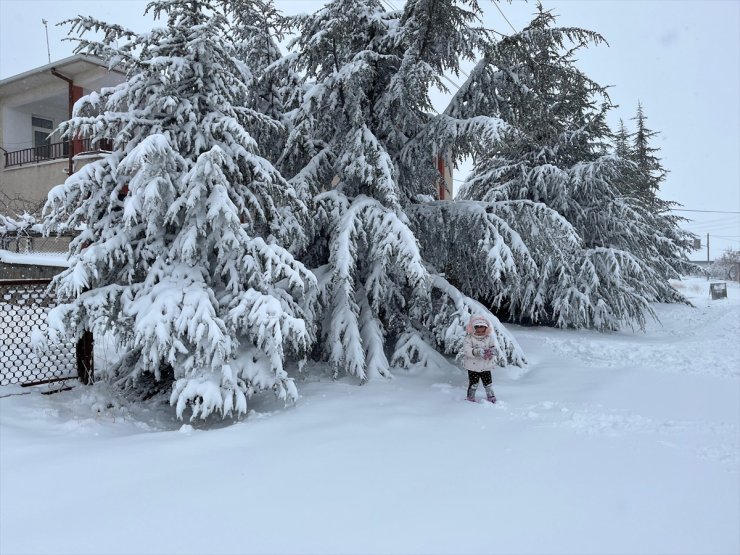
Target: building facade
(34,158)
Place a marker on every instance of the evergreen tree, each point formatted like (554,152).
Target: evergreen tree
(368,74)
(650,171)
(623,149)
(622,141)
(486,247)
(257,29)
(180,256)
(556,152)
(274,92)
(433,37)
(641,173)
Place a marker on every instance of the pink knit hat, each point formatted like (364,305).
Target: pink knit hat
(478,321)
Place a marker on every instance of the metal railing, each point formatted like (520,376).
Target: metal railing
(42,153)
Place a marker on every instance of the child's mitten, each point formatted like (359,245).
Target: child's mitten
(487,354)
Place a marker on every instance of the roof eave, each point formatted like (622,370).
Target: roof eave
(58,65)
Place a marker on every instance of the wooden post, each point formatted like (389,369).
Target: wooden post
(441,169)
(84,351)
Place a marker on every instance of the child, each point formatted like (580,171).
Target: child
(478,356)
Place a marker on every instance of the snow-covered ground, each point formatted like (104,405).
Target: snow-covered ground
(616,443)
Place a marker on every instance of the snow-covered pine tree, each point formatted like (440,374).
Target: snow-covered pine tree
(622,140)
(180,256)
(482,247)
(556,152)
(431,40)
(257,29)
(640,177)
(275,91)
(366,98)
(650,171)
(469,243)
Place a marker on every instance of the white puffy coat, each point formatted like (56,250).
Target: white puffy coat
(472,350)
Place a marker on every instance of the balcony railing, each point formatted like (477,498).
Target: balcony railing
(36,154)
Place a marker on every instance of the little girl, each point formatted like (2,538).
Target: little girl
(478,359)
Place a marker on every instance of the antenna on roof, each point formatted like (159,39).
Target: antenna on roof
(48,52)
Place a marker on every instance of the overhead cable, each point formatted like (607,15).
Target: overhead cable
(504,16)
(707,211)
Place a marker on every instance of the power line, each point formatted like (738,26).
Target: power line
(724,220)
(715,226)
(504,16)
(707,211)
(710,230)
(451,81)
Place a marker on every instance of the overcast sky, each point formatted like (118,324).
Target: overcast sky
(680,58)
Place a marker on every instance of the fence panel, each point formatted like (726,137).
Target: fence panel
(23,308)
(35,243)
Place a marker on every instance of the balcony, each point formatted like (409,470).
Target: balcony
(43,153)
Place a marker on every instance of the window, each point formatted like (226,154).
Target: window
(42,122)
(41,129)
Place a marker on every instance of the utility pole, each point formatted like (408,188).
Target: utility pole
(707,247)
(48,52)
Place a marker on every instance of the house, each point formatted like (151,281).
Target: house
(32,105)
(34,157)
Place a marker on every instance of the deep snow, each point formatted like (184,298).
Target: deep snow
(605,443)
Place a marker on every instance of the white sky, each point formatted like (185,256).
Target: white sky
(680,58)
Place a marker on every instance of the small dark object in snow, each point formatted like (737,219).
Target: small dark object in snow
(718,290)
